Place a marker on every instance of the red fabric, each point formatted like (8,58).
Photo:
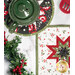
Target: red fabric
(57,45)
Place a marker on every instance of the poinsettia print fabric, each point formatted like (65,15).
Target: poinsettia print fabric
(50,41)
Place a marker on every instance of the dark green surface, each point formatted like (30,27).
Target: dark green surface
(24,12)
(23,9)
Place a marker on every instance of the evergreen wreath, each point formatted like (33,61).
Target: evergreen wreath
(17,60)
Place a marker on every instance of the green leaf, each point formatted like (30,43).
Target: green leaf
(12,55)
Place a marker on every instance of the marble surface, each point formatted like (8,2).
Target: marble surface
(28,45)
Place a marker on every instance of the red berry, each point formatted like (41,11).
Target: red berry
(4,43)
(4,6)
(21,66)
(22,60)
(21,63)
(20,73)
(25,63)
(14,70)
(17,67)
(5,39)
(5,13)
(4,32)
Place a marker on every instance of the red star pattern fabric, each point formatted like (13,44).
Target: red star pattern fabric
(56,46)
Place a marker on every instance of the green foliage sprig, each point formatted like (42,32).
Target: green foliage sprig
(17,60)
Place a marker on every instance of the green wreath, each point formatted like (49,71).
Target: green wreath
(17,60)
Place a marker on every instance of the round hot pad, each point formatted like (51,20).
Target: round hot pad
(27,16)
